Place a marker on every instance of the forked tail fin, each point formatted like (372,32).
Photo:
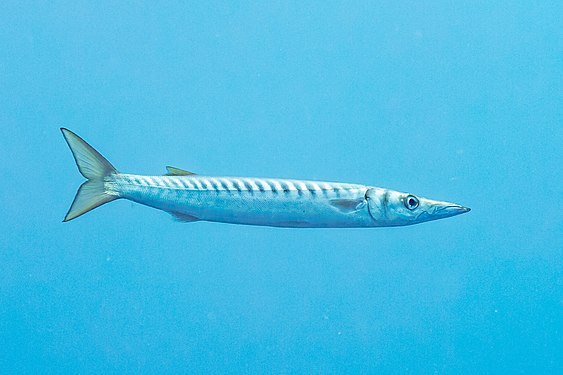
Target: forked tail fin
(96,169)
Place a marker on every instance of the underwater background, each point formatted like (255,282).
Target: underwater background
(457,101)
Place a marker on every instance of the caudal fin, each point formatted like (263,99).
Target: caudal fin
(96,169)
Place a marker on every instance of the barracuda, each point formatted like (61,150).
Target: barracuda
(245,200)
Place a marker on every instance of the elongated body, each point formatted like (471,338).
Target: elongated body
(246,200)
(255,201)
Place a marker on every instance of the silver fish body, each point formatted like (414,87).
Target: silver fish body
(246,200)
(254,201)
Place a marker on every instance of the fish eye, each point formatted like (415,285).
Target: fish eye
(411,202)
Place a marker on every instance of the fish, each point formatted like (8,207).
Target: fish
(274,202)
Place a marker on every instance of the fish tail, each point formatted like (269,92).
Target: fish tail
(96,169)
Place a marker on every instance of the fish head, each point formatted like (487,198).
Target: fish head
(393,208)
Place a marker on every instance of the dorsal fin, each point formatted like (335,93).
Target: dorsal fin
(173,171)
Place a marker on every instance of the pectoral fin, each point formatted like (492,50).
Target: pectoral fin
(348,205)
(173,171)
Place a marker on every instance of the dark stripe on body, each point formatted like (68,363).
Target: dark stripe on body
(214,184)
(236,186)
(285,187)
(224,184)
(384,202)
(248,186)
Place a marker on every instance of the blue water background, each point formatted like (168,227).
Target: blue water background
(458,101)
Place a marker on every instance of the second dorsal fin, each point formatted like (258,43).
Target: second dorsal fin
(173,171)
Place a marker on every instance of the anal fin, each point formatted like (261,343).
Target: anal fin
(179,216)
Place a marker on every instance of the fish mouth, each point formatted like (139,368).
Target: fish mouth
(452,209)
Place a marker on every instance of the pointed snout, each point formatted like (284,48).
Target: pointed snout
(446,209)
(454,209)
(439,210)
